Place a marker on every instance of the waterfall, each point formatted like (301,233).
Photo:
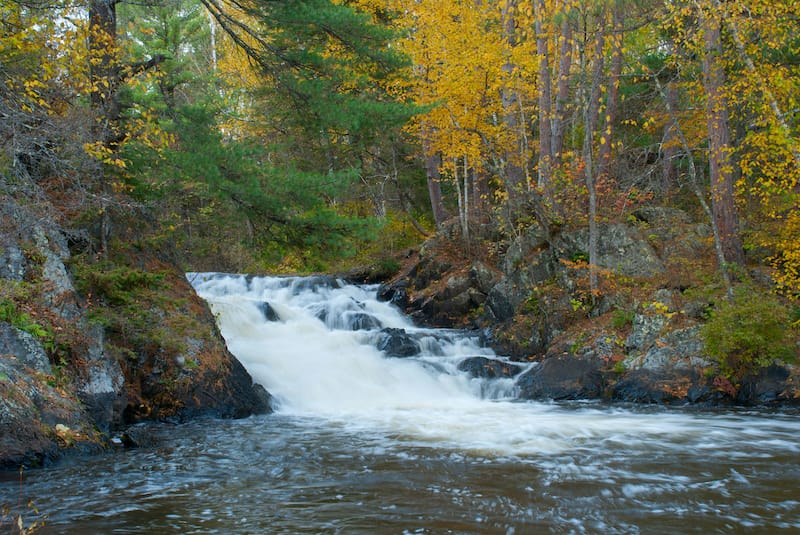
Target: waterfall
(315,344)
(323,349)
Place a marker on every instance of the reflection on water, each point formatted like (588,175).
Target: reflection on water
(362,443)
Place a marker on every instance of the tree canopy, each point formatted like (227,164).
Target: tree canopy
(289,133)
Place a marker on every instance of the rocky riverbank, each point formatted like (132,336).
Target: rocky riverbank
(77,365)
(638,338)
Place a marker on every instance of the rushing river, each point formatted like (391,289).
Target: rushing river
(361,443)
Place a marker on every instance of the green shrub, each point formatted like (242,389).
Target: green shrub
(116,284)
(748,333)
(9,313)
(622,318)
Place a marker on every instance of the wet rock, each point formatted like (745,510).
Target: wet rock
(773,384)
(563,378)
(135,436)
(268,312)
(397,343)
(314,283)
(659,386)
(30,410)
(486,368)
(361,321)
(395,293)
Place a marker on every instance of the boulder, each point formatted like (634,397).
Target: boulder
(395,293)
(427,271)
(563,377)
(38,420)
(504,298)
(314,283)
(771,385)
(397,343)
(192,375)
(650,322)
(486,368)
(268,312)
(482,278)
(620,248)
(660,386)
(361,321)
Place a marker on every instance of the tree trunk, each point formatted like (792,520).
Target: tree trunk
(545,103)
(721,171)
(669,148)
(465,227)
(598,64)
(104,71)
(562,96)
(104,77)
(612,97)
(432,163)
(515,181)
(589,174)
(694,181)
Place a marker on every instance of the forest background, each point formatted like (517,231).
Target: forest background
(298,136)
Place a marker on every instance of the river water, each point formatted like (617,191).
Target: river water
(362,443)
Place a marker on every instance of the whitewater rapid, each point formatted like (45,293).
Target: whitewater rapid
(316,362)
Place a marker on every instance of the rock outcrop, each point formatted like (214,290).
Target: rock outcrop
(70,377)
(637,340)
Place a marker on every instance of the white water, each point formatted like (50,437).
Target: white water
(323,369)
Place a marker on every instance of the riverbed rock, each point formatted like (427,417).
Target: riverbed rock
(640,338)
(486,368)
(563,377)
(397,343)
(395,292)
(361,321)
(315,283)
(660,386)
(268,312)
(777,383)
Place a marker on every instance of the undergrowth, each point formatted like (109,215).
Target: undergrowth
(749,332)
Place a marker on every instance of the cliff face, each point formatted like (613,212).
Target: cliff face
(636,338)
(131,342)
